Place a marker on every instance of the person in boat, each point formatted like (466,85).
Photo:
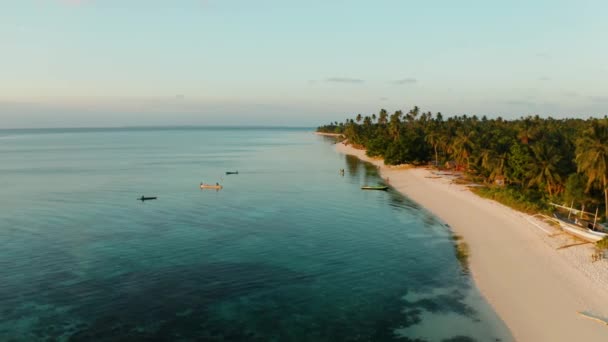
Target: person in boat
(217,184)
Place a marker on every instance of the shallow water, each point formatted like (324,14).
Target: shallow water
(288,250)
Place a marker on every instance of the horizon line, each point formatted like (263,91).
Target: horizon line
(160,127)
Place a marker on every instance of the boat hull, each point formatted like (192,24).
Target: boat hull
(580,232)
(374,188)
(211,187)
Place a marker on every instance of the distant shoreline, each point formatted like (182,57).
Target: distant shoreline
(329,134)
(536,288)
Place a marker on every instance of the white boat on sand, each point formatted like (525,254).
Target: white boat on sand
(581,224)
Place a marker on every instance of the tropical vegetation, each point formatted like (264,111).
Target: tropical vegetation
(536,160)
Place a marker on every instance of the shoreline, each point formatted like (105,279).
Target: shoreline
(329,134)
(519,263)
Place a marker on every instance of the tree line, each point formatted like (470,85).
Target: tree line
(540,159)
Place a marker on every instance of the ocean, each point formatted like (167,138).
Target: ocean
(289,250)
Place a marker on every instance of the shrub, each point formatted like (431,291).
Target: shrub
(602,244)
(527,201)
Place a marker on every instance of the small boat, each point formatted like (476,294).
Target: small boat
(580,226)
(232,172)
(144,198)
(210,186)
(376,187)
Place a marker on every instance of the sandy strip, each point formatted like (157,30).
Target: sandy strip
(516,261)
(329,134)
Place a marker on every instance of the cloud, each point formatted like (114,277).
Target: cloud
(544,78)
(408,80)
(599,99)
(344,80)
(520,103)
(383,99)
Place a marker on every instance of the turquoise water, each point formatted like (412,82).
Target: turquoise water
(288,250)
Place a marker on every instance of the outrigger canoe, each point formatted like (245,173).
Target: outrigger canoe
(144,198)
(377,187)
(581,224)
(232,172)
(209,186)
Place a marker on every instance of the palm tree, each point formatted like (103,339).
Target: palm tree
(359,117)
(414,112)
(462,147)
(382,117)
(493,163)
(435,138)
(592,155)
(546,167)
(527,131)
(395,125)
(438,117)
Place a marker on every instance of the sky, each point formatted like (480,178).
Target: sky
(88,63)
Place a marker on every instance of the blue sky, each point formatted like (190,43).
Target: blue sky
(271,62)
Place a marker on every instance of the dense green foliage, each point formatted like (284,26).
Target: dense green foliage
(602,244)
(539,159)
(527,201)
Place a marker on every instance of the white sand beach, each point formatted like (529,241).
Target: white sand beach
(518,262)
(329,134)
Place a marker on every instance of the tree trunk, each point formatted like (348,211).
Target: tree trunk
(605,196)
(436,159)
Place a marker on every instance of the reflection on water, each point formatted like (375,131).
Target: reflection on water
(365,172)
(352,164)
